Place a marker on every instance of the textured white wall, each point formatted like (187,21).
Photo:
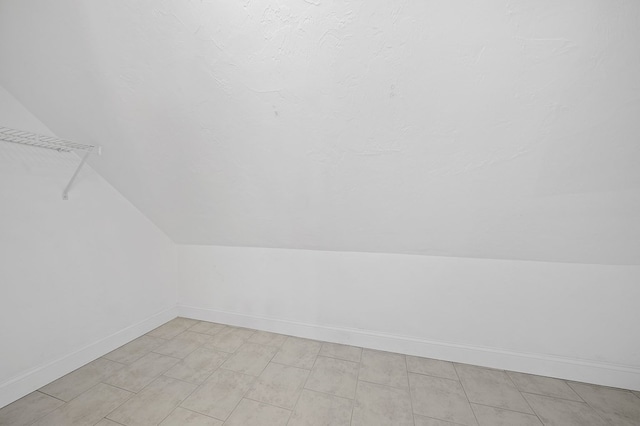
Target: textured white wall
(564,320)
(499,129)
(72,273)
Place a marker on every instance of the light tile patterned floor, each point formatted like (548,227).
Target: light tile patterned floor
(192,373)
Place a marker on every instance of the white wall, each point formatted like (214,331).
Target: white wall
(488,129)
(77,277)
(565,320)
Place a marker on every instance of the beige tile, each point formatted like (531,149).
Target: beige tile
(192,336)
(540,385)
(431,367)
(269,339)
(136,376)
(135,349)
(88,408)
(335,376)
(441,399)
(178,348)
(84,378)
(153,403)
(378,405)
(252,413)
(298,352)
(428,421)
(279,385)
(207,327)
(562,412)
(182,417)
(491,387)
(384,368)
(319,409)
(490,416)
(250,358)
(229,339)
(219,394)
(107,422)
(335,350)
(198,365)
(28,409)
(620,407)
(172,328)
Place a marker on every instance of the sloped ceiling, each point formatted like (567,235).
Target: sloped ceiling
(500,129)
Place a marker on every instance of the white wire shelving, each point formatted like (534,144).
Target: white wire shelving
(23,137)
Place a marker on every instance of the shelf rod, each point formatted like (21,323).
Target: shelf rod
(65,193)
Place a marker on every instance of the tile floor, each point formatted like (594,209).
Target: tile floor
(188,372)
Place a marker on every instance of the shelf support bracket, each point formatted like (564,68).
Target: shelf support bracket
(65,193)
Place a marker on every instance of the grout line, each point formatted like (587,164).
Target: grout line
(506,373)
(62,400)
(382,384)
(267,403)
(304,385)
(406,370)
(465,394)
(355,395)
(434,376)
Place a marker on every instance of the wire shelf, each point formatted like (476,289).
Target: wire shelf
(49,142)
(41,141)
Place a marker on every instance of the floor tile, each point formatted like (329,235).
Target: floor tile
(319,409)
(279,385)
(88,408)
(172,328)
(198,365)
(250,358)
(335,376)
(485,386)
(178,348)
(269,339)
(135,349)
(546,386)
(620,407)
(28,409)
(490,416)
(384,368)
(441,399)
(562,412)
(107,422)
(431,367)
(229,339)
(335,350)
(153,403)
(182,417)
(378,405)
(192,336)
(136,376)
(219,394)
(298,352)
(252,413)
(428,421)
(207,327)
(84,378)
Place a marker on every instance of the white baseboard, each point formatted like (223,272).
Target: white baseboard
(17,387)
(621,376)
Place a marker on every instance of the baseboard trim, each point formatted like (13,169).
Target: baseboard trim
(17,387)
(621,376)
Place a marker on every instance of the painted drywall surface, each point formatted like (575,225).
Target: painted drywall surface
(501,129)
(577,312)
(72,272)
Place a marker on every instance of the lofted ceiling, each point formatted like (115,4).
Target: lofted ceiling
(500,129)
